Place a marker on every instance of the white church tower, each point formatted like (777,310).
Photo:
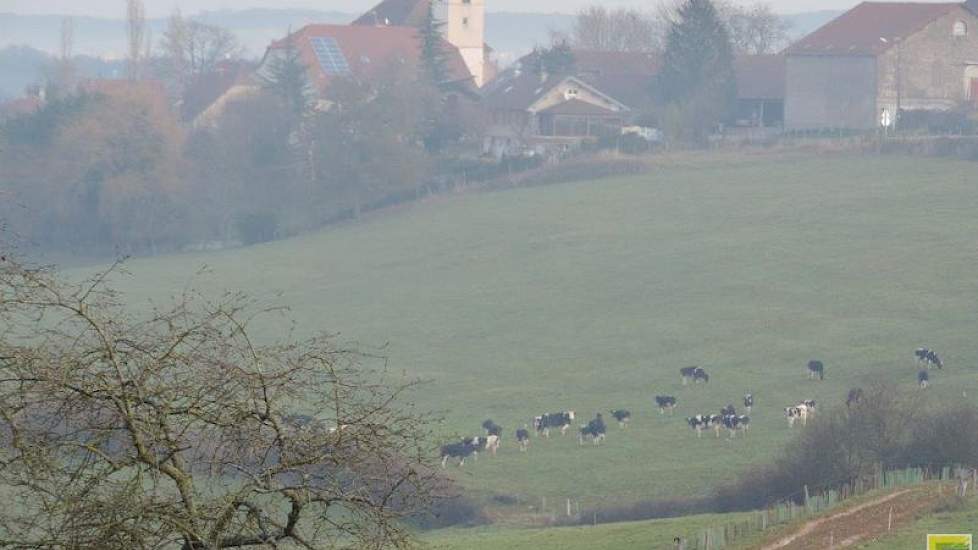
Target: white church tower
(465,28)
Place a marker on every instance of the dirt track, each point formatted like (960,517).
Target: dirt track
(860,523)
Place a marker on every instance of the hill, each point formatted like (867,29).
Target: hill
(590,296)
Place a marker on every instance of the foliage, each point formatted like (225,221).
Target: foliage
(697,78)
(754,29)
(98,173)
(287,78)
(434,66)
(599,28)
(191,48)
(558,59)
(369,143)
(179,430)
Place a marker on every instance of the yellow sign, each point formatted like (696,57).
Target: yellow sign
(949,542)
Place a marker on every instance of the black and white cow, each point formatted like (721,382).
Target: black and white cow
(736,423)
(523,438)
(460,450)
(749,402)
(923,379)
(622,416)
(928,357)
(594,430)
(855,396)
(696,374)
(728,410)
(798,412)
(665,402)
(699,423)
(492,428)
(816,368)
(561,421)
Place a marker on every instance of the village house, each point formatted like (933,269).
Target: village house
(862,69)
(385,38)
(604,94)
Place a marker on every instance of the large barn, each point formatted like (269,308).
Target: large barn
(860,70)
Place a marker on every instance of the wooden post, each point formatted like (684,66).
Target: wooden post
(543,506)
(807,506)
(568,508)
(889,521)
(832,540)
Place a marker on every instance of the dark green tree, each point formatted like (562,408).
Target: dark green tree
(287,78)
(434,64)
(697,81)
(558,59)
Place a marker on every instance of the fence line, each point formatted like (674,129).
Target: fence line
(786,511)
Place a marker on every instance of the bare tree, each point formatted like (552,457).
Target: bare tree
(66,67)
(191,48)
(177,430)
(616,30)
(135,35)
(754,29)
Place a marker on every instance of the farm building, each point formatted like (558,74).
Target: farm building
(603,92)
(861,69)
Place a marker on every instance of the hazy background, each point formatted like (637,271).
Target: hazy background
(163,7)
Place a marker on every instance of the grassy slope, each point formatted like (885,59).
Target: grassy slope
(963,520)
(592,295)
(620,536)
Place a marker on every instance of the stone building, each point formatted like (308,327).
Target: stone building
(880,58)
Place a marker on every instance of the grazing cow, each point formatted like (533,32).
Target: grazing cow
(622,416)
(461,451)
(699,423)
(728,410)
(928,357)
(595,430)
(798,412)
(687,374)
(749,402)
(665,402)
(700,375)
(735,423)
(923,379)
(523,437)
(492,428)
(855,395)
(810,403)
(561,421)
(816,368)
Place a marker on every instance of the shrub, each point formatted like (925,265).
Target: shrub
(257,227)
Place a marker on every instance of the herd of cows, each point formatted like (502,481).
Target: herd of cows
(595,430)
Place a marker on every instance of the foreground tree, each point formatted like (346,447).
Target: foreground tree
(178,430)
(697,80)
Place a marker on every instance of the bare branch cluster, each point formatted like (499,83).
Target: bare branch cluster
(177,430)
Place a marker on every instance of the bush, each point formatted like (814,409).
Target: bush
(257,227)
(456,511)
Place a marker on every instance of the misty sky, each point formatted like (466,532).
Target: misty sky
(113,8)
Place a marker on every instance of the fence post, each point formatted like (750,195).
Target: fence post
(568,508)
(808,509)
(889,521)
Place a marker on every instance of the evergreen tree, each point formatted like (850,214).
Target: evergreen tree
(697,80)
(287,78)
(433,55)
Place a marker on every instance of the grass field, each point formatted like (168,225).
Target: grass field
(590,296)
(957,521)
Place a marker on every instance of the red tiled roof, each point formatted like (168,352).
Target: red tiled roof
(20,106)
(870,28)
(760,76)
(206,88)
(404,13)
(369,51)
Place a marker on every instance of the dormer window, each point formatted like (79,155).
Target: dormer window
(960,29)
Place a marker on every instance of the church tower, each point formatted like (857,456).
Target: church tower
(465,28)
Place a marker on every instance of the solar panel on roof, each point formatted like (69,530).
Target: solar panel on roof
(330,56)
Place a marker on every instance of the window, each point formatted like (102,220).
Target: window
(465,21)
(571,93)
(960,28)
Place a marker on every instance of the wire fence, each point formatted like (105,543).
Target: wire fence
(787,511)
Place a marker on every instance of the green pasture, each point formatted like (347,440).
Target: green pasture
(590,296)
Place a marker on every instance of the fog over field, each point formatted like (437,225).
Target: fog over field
(455,274)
